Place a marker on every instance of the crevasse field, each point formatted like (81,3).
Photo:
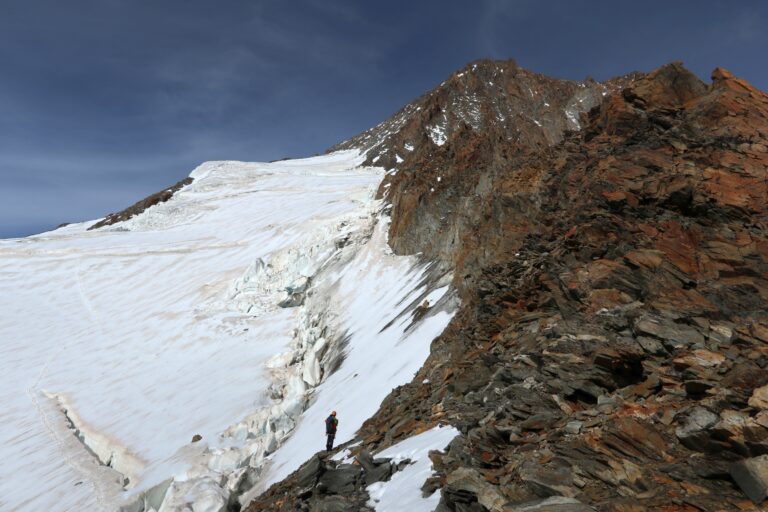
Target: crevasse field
(118,345)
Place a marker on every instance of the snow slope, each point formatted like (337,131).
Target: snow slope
(120,344)
(374,297)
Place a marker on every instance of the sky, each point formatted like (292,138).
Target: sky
(103,102)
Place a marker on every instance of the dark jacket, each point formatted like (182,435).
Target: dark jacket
(330,425)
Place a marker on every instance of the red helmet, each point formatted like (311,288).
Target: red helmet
(333,413)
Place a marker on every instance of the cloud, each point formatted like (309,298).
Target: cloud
(133,95)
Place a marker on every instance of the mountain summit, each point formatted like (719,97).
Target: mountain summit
(489,98)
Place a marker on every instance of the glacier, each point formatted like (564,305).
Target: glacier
(236,314)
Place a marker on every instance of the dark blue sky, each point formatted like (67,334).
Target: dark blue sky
(103,102)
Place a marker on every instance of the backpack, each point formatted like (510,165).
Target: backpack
(330,425)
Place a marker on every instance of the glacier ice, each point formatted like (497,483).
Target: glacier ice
(119,345)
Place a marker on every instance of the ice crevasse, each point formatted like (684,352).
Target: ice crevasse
(241,311)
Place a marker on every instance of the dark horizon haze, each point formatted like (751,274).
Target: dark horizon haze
(104,102)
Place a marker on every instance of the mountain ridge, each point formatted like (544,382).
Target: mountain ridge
(610,350)
(482,94)
(608,247)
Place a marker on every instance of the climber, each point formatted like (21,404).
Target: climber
(330,430)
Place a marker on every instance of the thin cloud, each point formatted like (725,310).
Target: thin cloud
(136,94)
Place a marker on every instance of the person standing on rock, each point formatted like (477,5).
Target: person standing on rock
(331,423)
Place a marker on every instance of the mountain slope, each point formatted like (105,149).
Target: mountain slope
(154,363)
(610,349)
(519,292)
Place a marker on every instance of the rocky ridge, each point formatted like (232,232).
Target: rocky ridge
(485,97)
(611,349)
(139,206)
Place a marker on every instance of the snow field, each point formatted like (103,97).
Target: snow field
(136,332)
(120,344)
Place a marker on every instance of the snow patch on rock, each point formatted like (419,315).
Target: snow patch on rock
(403,490)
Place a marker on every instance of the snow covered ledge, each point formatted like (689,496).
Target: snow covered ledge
(403,490)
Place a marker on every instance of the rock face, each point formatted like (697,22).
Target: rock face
(485,98)
(323,485)
(612,345)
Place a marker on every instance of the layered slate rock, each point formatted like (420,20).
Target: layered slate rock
(611,348)
(752,477)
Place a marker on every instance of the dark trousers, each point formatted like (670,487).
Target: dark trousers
(329,442)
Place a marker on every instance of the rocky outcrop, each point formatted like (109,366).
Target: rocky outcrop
(140,206)
(611,348)
(325,485)
(485,97)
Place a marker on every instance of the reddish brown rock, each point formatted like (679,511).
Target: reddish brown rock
(612,339)
(702,358)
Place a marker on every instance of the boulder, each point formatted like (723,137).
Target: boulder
(537,422)
(333,504)
(651,345)
(633,438)
(711,468)
(342,480)
(552,479)
(574,427)
(745,435)
(672,335)
(375,470)
(309,473)
(702,358)
(751,475)
(694,431)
